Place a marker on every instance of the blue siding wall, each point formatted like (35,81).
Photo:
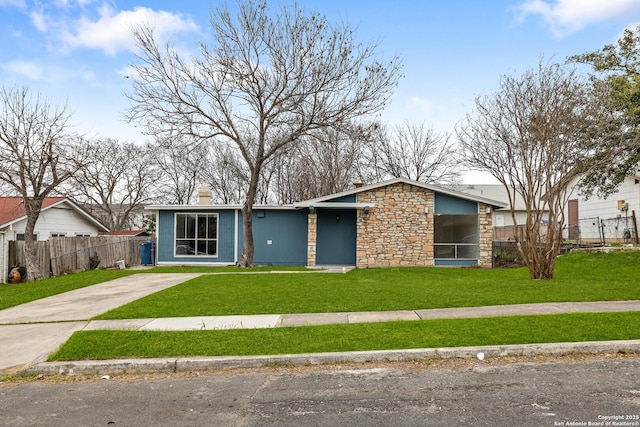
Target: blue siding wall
(351,198)
(166,238)
(279,237)
(450,205)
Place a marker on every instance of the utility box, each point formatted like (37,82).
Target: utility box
(148,253)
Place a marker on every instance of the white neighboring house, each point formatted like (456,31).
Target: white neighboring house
(60,217)
(589,219)
(501,217)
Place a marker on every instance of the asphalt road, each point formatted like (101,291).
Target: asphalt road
(580,391)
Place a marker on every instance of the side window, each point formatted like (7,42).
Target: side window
(20,237)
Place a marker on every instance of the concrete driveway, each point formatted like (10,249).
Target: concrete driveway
(31,331)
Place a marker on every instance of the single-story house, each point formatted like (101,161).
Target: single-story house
(393,223)
(59,217)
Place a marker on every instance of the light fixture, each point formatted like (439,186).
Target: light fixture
(426,209)
(366,210)
(312,209)
(488,210)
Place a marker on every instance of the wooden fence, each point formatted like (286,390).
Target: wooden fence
(510,232)
(60,255)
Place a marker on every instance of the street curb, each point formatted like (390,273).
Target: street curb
(186,364)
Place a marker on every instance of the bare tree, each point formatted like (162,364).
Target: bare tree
(267,80)
(115,183)
(179,163)
(37,155)
(533,135)
(416,152)
(323,164)
(225,174)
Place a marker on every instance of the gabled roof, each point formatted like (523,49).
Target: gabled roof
(319,201)
(12,210)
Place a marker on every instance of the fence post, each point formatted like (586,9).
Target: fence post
(635,227)
(604,239)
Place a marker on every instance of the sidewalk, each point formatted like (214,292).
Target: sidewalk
(283,320)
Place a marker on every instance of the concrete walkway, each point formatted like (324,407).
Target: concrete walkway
(31,331)
(281,320)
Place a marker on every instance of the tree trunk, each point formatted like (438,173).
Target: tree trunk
(248,248)
(33,266)
(246,259)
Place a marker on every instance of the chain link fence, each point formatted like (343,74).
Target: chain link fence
(603,231)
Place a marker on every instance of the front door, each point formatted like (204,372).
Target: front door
(336,237)
(574,232)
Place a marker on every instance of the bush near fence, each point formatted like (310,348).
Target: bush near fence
(61,255)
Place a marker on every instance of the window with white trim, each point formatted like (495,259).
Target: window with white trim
(196,234)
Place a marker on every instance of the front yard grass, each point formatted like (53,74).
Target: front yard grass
(12,295)
(573,327)
(579,277)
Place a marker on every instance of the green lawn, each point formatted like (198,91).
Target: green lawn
(579,277)
(353,337)
(12,295)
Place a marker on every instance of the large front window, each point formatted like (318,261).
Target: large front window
(456,237)
(196,234)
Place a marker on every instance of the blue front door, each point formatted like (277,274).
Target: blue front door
(336,238)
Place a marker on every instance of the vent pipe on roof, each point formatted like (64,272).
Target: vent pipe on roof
(204,195)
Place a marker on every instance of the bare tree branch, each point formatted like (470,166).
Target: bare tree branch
(415,152)
(115,182)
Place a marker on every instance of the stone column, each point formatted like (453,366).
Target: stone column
(485,238)
(312,232)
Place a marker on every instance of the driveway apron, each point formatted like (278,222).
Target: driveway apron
(31,331)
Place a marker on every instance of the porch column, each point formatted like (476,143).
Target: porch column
(312,227)
(485,237)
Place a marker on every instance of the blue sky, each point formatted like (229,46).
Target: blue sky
(77,51)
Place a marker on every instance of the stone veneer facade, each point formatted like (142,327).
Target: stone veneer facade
(485,235)
(312,235)
(398,231)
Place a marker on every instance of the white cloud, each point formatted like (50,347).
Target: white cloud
(30,70)
(112,31)
(39,20)
(568,16)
